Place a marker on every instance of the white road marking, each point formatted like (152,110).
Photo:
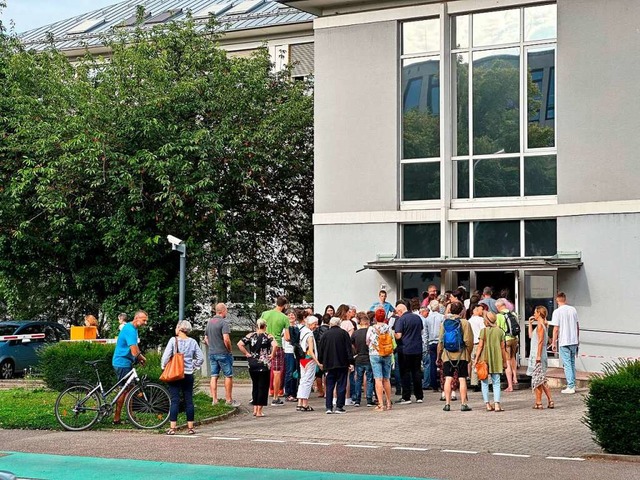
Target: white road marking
(517,455)
(575,459)
(224,438)
(268,440)
(362,446)
(459,451)
(314,443)
(412,449)
(185,435)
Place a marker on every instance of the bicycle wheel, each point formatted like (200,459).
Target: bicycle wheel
(77,410)
(148,405)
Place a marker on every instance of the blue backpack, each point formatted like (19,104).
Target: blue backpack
(452,340)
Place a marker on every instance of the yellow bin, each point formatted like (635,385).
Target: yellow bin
(84,333)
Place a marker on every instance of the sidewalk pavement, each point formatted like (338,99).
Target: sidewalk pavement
(518,430)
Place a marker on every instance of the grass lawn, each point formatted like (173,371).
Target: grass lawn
(33,410)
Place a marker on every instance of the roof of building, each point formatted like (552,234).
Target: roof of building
(87,30)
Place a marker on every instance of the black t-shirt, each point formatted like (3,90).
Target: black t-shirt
(359,340)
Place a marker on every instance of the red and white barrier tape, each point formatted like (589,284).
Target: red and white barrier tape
(30,336)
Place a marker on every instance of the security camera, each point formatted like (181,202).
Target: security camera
(174,240)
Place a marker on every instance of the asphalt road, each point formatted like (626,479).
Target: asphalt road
(378,460)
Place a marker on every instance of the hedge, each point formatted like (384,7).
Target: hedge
(613,408)
(64,361)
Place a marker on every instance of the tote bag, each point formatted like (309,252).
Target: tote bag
(174,369)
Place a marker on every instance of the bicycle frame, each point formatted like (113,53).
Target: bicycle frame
(126,381)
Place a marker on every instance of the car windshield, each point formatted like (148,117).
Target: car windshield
(7,330)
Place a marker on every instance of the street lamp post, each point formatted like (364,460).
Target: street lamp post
(177,244)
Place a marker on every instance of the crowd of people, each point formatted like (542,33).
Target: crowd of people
(434,343)
(437,343)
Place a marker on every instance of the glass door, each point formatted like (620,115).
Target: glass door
(539,289)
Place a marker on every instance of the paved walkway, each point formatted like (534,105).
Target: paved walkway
(518,430)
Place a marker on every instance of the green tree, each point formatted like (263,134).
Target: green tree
(101,160)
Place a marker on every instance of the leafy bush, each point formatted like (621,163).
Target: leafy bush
(61,362)
(613,408)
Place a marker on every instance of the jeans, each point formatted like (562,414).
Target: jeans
(568,355)
(433,369)
(352,385)
(426,369)
(186,387)
(495,380)
(361,371)
(290,382)
(396,373)
(410,369)
(336,378)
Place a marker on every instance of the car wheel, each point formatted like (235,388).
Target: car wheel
(6,369)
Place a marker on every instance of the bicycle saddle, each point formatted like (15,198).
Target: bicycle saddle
(93,363)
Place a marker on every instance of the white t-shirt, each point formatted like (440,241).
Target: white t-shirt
(477,324)
(565,318)
(286,346)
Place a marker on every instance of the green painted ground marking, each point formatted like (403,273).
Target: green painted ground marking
(59,467)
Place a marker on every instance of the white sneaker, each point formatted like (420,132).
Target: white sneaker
(568,390)
(348,401)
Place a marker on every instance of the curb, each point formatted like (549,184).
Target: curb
(614,457)
(207,421)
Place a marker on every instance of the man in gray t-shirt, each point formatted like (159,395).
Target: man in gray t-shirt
(217,337)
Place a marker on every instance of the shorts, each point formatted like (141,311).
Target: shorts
(460,366)
(221,362)
(277,364)
(381,366)
(511,346)
(121,372)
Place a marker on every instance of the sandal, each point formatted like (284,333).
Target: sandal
(490,407)
(191,431)
(389,406)
(299,408)
(498,408)
(538,406)
(551,405)
(171,431)
(308,408)
(379,408)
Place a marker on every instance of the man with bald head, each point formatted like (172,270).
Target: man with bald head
(217,337)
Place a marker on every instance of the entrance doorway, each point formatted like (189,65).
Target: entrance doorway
(498,281)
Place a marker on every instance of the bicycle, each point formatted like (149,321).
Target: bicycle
(80,406)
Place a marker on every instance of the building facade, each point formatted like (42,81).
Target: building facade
(481,143)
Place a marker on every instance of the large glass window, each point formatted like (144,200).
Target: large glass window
(504,238)
(503,103)
(421,240)
(414,284)
(420,160)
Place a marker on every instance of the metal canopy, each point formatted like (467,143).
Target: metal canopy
(570,260)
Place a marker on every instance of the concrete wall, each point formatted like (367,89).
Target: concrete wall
(598,101)
(341,250)
(604,289)
(356,118)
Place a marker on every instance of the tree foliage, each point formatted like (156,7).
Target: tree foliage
(99,161)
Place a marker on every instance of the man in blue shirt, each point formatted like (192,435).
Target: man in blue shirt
(388,308)
(127,353)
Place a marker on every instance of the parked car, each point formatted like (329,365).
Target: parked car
(18,355)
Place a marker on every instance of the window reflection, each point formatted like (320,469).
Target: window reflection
(496,239)
(540,238)
(421,108)
(460,64)
(461,178)
(496,177)
(495,28)
(461,31)
(421,36)
(496,101)
(421,240)
(421,181)
(540,175)
(414,283)
(541,98)
(540,22)
(462,232)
